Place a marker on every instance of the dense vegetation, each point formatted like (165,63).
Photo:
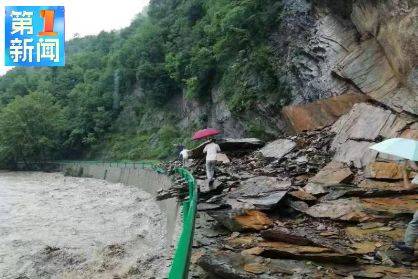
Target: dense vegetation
(111,100)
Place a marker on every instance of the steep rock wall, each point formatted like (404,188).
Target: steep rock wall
(325,49)
(322,49)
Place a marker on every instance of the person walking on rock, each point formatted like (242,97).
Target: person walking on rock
(184,154)
(411,233)
(211,149)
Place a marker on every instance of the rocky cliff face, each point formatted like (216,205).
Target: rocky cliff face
(370,46)
(383,64)
(357,49)
(326,49)
(311,40)
(321,204)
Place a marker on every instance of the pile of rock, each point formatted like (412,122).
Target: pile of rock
(322,204)
(315,205)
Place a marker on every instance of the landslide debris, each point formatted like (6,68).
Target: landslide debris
(298,208)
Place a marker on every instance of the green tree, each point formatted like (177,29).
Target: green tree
(175,47)
(32,128)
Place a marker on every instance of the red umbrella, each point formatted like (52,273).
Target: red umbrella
(205,133)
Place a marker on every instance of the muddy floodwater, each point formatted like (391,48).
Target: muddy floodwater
(53,226)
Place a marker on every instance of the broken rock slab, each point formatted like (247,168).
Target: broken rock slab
(364,209)
(345,191)
(363,122)
(277,149)
(262,192)
(384,188)
(304,236)
(411,132)
(333,173)
(246,220)
(208,230)
(205,188)
(357,130)
(354,152)
(330,176)
(302,195)
(254,186)
(227,264)
(315,189)
(380,236)
(333,191)
(300,252)
(243,144)
(376,271)
(321,113)
(285,235)
(391,206)
(264,202)
(384,170)
(341,209)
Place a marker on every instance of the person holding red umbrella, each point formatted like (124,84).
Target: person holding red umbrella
(211,149)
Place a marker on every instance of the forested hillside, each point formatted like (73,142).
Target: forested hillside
(184,65)
(116,96)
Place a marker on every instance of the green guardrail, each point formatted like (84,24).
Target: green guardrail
(181,261)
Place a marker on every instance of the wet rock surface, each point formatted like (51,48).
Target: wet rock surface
(383,64)
(321,113)
(360,128)
(384,170)
(297,209)
(322,196)
(329,49)
(344,204)
(277,149)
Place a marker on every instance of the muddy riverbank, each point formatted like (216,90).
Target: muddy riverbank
(53,226)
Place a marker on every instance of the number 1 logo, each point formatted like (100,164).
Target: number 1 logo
(48,16)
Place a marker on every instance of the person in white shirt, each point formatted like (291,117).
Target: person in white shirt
(184,155)
(211,149)
(411,232)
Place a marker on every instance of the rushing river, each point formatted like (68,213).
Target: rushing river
(53,226)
